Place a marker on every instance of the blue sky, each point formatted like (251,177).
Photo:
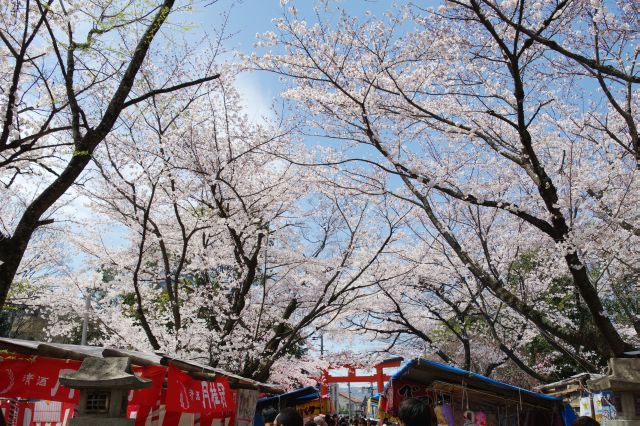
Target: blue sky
(248,17)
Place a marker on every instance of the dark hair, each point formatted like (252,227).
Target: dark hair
(289,417)
(269,414)
(414,412)
(310,423)
(585,421)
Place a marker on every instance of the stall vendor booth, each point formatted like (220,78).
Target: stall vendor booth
(617,395)
(463,398)
(371,410)
(145,389)
(573,390)
(307,401)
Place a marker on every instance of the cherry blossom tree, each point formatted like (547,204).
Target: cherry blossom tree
(231,256)
(430,308)
(68,70)
(487,118)
(472,193)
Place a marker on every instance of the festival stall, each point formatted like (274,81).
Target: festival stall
(460,398)
(371,411)
(575,393)
(307,401)
(616,397)
(178,392)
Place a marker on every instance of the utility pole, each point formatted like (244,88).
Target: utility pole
(349,403)
(85,322)
(321,337)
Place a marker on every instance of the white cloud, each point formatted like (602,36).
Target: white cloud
(257,95)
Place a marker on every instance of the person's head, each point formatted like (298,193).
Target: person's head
(289,417)
(585,421)
(269,415)
(319,420)
(414,412)
(310,423)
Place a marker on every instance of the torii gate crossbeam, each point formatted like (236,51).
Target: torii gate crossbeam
(379,377)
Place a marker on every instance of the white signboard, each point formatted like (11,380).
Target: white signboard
(585,406)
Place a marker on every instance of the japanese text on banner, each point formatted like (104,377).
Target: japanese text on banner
(35,377)
(188,395)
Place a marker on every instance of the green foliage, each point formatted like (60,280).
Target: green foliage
(563,298)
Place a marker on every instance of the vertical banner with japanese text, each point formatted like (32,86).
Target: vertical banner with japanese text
(188,395)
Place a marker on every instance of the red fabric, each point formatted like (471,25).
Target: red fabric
(188,395)
(206,420)
(141,412)
(24,412)
(234,395)
(145,401)
(36,378)
(171,418)
(383,403)
(4,408)
(148,396)
(401,390)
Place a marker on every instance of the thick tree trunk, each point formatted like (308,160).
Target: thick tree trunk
(12,250)
(7,271)
(616,346)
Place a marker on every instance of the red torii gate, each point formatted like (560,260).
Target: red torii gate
(379,377)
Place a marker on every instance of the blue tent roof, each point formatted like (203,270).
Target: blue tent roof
(295,397)
(425,371)
(288,399)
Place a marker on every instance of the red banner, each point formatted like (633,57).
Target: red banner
(151,395)
(401,390)
(36,378)
(188,395)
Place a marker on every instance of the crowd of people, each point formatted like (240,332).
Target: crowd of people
(291,417)
(412,412)
(336,420)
